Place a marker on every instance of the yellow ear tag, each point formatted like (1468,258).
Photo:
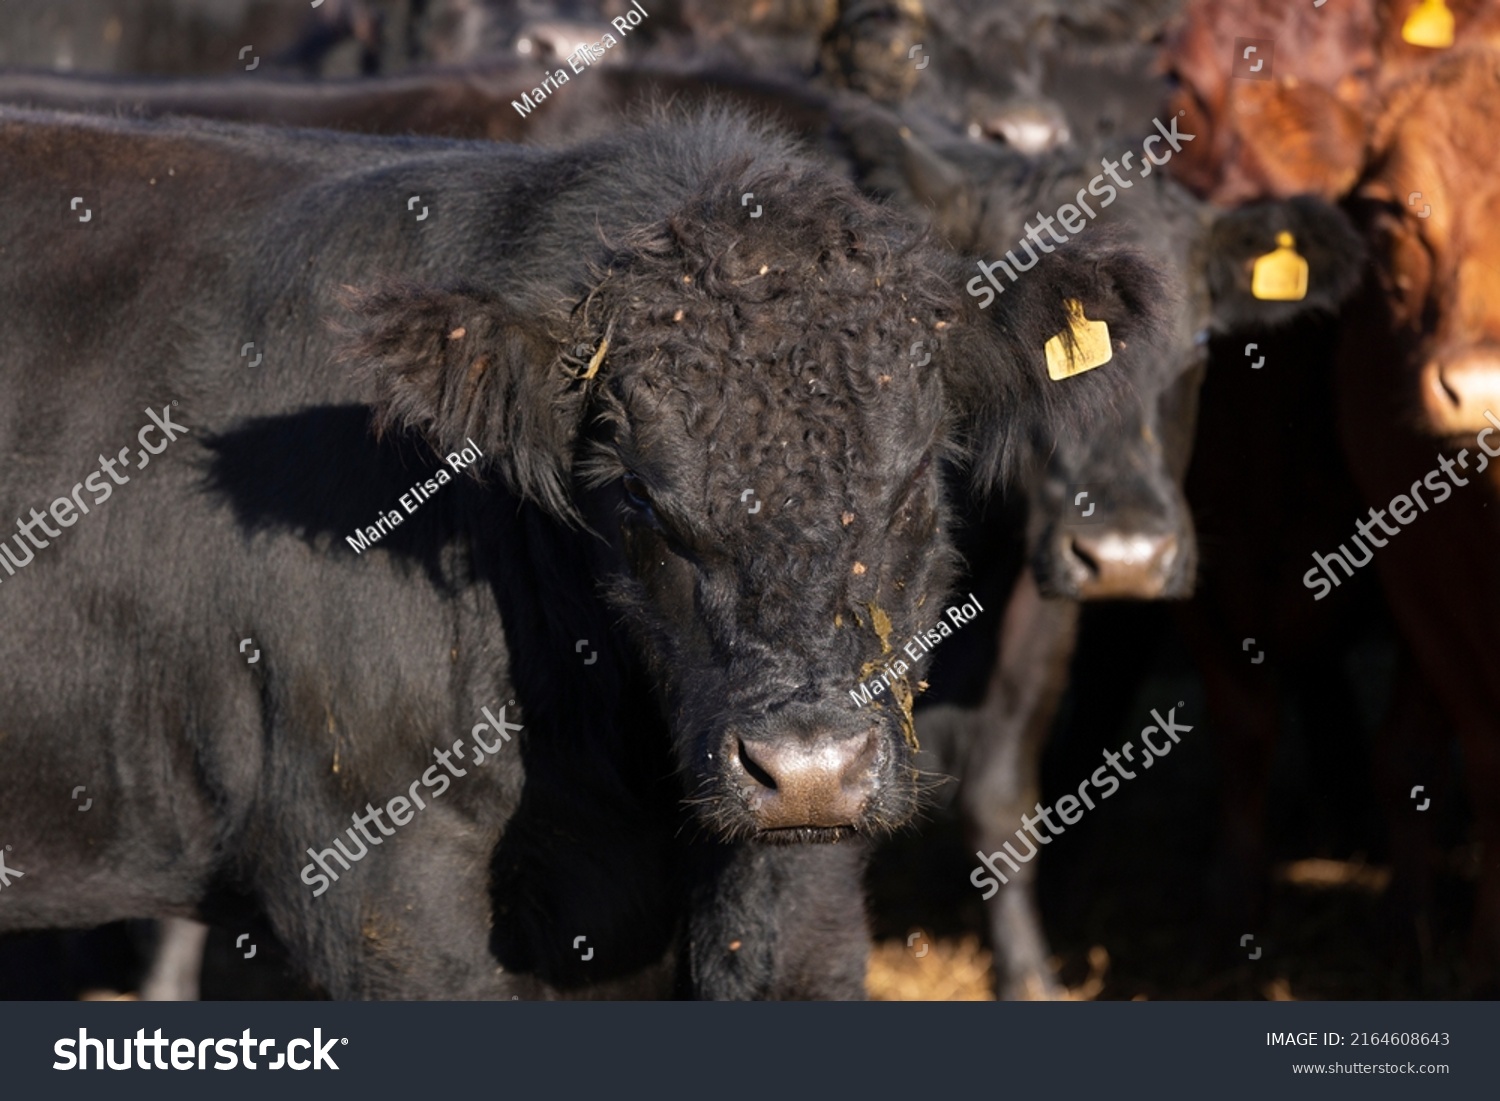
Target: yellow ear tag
(1280,275)
(1091,347)
(1430,24)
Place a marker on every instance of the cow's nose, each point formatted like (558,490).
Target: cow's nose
(793,782)
(1121,566)
(1457,389)
(1027,129)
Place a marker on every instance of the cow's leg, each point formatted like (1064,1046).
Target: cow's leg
(177,964)
(1410,750)
(1339,757)
(1001,779)
(780,922)
(1243,706)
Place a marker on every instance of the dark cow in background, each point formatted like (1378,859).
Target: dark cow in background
(1036,75)
(186,37)
(1268,481)
(1132,534)
(472,101)
(618,387)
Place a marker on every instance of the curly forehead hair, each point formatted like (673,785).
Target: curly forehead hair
(814,305)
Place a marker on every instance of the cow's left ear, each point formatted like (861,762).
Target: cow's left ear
(1015,400)
(1316,231)
(462,364)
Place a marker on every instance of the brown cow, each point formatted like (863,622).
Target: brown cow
(1344,103)
(1419,414)
(1417,404)
(1299,123)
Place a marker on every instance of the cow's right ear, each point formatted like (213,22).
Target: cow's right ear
(1319,232)
(460,364)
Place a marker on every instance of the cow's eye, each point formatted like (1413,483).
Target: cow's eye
(636,493)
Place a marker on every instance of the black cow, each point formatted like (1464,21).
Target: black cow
(498,99)
(1106,517)
(181,37)
(623,343)
(1032,75)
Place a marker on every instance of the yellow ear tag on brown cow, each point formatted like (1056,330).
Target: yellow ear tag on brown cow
(1430,24)
(1090,348)
(1281,274)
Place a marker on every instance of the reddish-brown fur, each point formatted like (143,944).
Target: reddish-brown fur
(1304,129)
(1437,292)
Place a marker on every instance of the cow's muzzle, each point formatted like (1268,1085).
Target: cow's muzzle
(1457,388)
(1118,565)
(813,779)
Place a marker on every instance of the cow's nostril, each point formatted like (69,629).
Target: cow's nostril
(753,768)
(1080,552)
(1447,388)
(793,782)
(1457,389)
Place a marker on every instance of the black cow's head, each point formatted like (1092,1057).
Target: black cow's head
(751,415)
(875,47)
(1107,516)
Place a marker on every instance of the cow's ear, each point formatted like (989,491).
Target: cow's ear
(894,163)
(1320,233)
(1012,412)
(460,364)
